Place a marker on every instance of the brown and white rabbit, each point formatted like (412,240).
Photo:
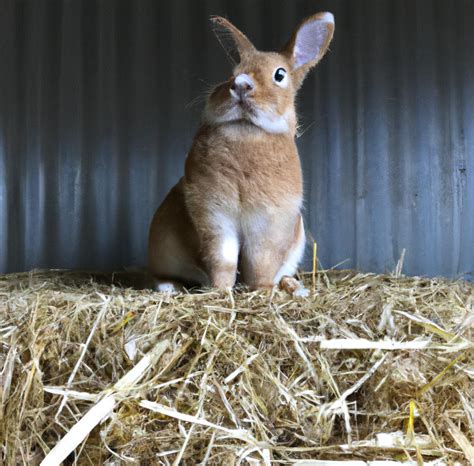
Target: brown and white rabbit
(239,202)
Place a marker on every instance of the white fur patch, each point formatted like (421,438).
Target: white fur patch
(301,292)
(327,17)
(294,258)
(227,231)
(270,122)
(230,249)
(266,120)
(166,287)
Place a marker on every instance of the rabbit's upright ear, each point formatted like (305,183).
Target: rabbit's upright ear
(231,38)
(308,44)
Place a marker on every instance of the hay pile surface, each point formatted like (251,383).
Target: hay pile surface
(367,367)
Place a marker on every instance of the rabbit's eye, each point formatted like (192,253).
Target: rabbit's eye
(280,77)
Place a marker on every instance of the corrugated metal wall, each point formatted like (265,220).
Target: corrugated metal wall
(98,109)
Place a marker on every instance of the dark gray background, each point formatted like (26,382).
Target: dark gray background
(97,112)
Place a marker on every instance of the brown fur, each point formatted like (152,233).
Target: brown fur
(238,204)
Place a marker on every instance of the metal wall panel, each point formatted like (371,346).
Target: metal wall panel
(98,108)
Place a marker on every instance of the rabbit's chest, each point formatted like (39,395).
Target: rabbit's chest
(250,174)
(268,178)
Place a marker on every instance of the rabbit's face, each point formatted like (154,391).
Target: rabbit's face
(263,86)
(261,91)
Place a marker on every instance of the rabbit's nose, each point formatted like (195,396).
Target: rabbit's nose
(242,85)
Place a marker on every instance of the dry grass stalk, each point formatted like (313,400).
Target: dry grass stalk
(367,368)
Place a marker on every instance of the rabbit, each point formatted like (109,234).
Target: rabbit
(238,205)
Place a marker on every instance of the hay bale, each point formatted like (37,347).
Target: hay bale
(367,367)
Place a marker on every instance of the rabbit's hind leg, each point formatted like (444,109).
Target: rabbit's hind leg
(294,255)
(173,248)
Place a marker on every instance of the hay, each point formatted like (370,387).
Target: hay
(368,367)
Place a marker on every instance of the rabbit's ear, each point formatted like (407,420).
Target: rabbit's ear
(309,43)
(231,38)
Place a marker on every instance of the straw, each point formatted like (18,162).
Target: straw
(366,368)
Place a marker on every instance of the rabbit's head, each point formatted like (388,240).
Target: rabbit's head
(263,86)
